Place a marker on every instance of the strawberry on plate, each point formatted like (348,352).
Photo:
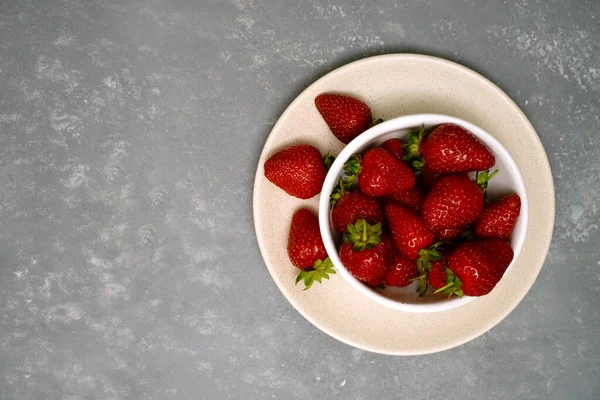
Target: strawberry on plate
(498,219)
(350,206)
(366,252)
(401,272)
(299,170)
(379,172)
(450,148)
(306,249)
(409,233)
(454,202)
(479,265)
(346,116)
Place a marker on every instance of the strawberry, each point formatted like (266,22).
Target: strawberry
(448,234)
(306,249)
(299,170)
(451,148)
(401,272)
(379,173)
(346,116)
(430,177)
(479,265)
(366,252)
(437,274)
(499,219)
(409,233)
(394,146)
(350,206)
(412,198)
(443,279)
(455,201)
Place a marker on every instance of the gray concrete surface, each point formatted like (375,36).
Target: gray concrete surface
(129,136)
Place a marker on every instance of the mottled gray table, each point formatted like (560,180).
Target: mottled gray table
(129,137)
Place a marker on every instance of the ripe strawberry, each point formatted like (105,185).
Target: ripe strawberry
(437,275)
(443,279)
(408,231)
(379,173)
(412,198)
(454,202)
(480,265)
(350,206)
(394,146)
(451,148)
(401,272)
(346,116)
(306,249)
(450,234)
(299,170)
(430,177)
(366,252)
(499,219)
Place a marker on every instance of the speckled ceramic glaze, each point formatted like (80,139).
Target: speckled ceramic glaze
(395,85)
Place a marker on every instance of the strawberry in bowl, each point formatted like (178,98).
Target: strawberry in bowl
(447,196)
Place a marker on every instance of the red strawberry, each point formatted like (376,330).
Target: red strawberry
(349,207)
(437,275)
(480,265)
(401,272)
(455,201)
(451,148)
(366,252)
(345,116)
(499,219)
(379,173)
(449,234)
(412,198)
(443,279)
(299,170)
(408,231)
(394,146)
(306,249)
(430,177)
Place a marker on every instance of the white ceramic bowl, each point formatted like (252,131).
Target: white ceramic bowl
(508,180)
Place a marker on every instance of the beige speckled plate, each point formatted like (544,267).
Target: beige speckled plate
(394,85)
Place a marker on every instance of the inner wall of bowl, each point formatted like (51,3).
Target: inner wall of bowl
(505,182)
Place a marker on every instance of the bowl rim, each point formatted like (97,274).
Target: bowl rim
(404,122)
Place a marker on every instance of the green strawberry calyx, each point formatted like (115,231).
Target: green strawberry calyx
(363,235)
(319,271)
(482,180)
(352,168)
(376,122)
(338,192)
(412,149)
(453,285)
(426,256)
(328,160)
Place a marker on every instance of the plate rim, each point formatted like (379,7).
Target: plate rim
(497,318)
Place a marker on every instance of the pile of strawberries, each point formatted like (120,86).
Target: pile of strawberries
(407,211)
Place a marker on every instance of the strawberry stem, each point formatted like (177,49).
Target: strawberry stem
(482,179)
(319,271)
(362,235)
(338,193)
(352,168)
(328,159)
(376,122)
(412,148)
